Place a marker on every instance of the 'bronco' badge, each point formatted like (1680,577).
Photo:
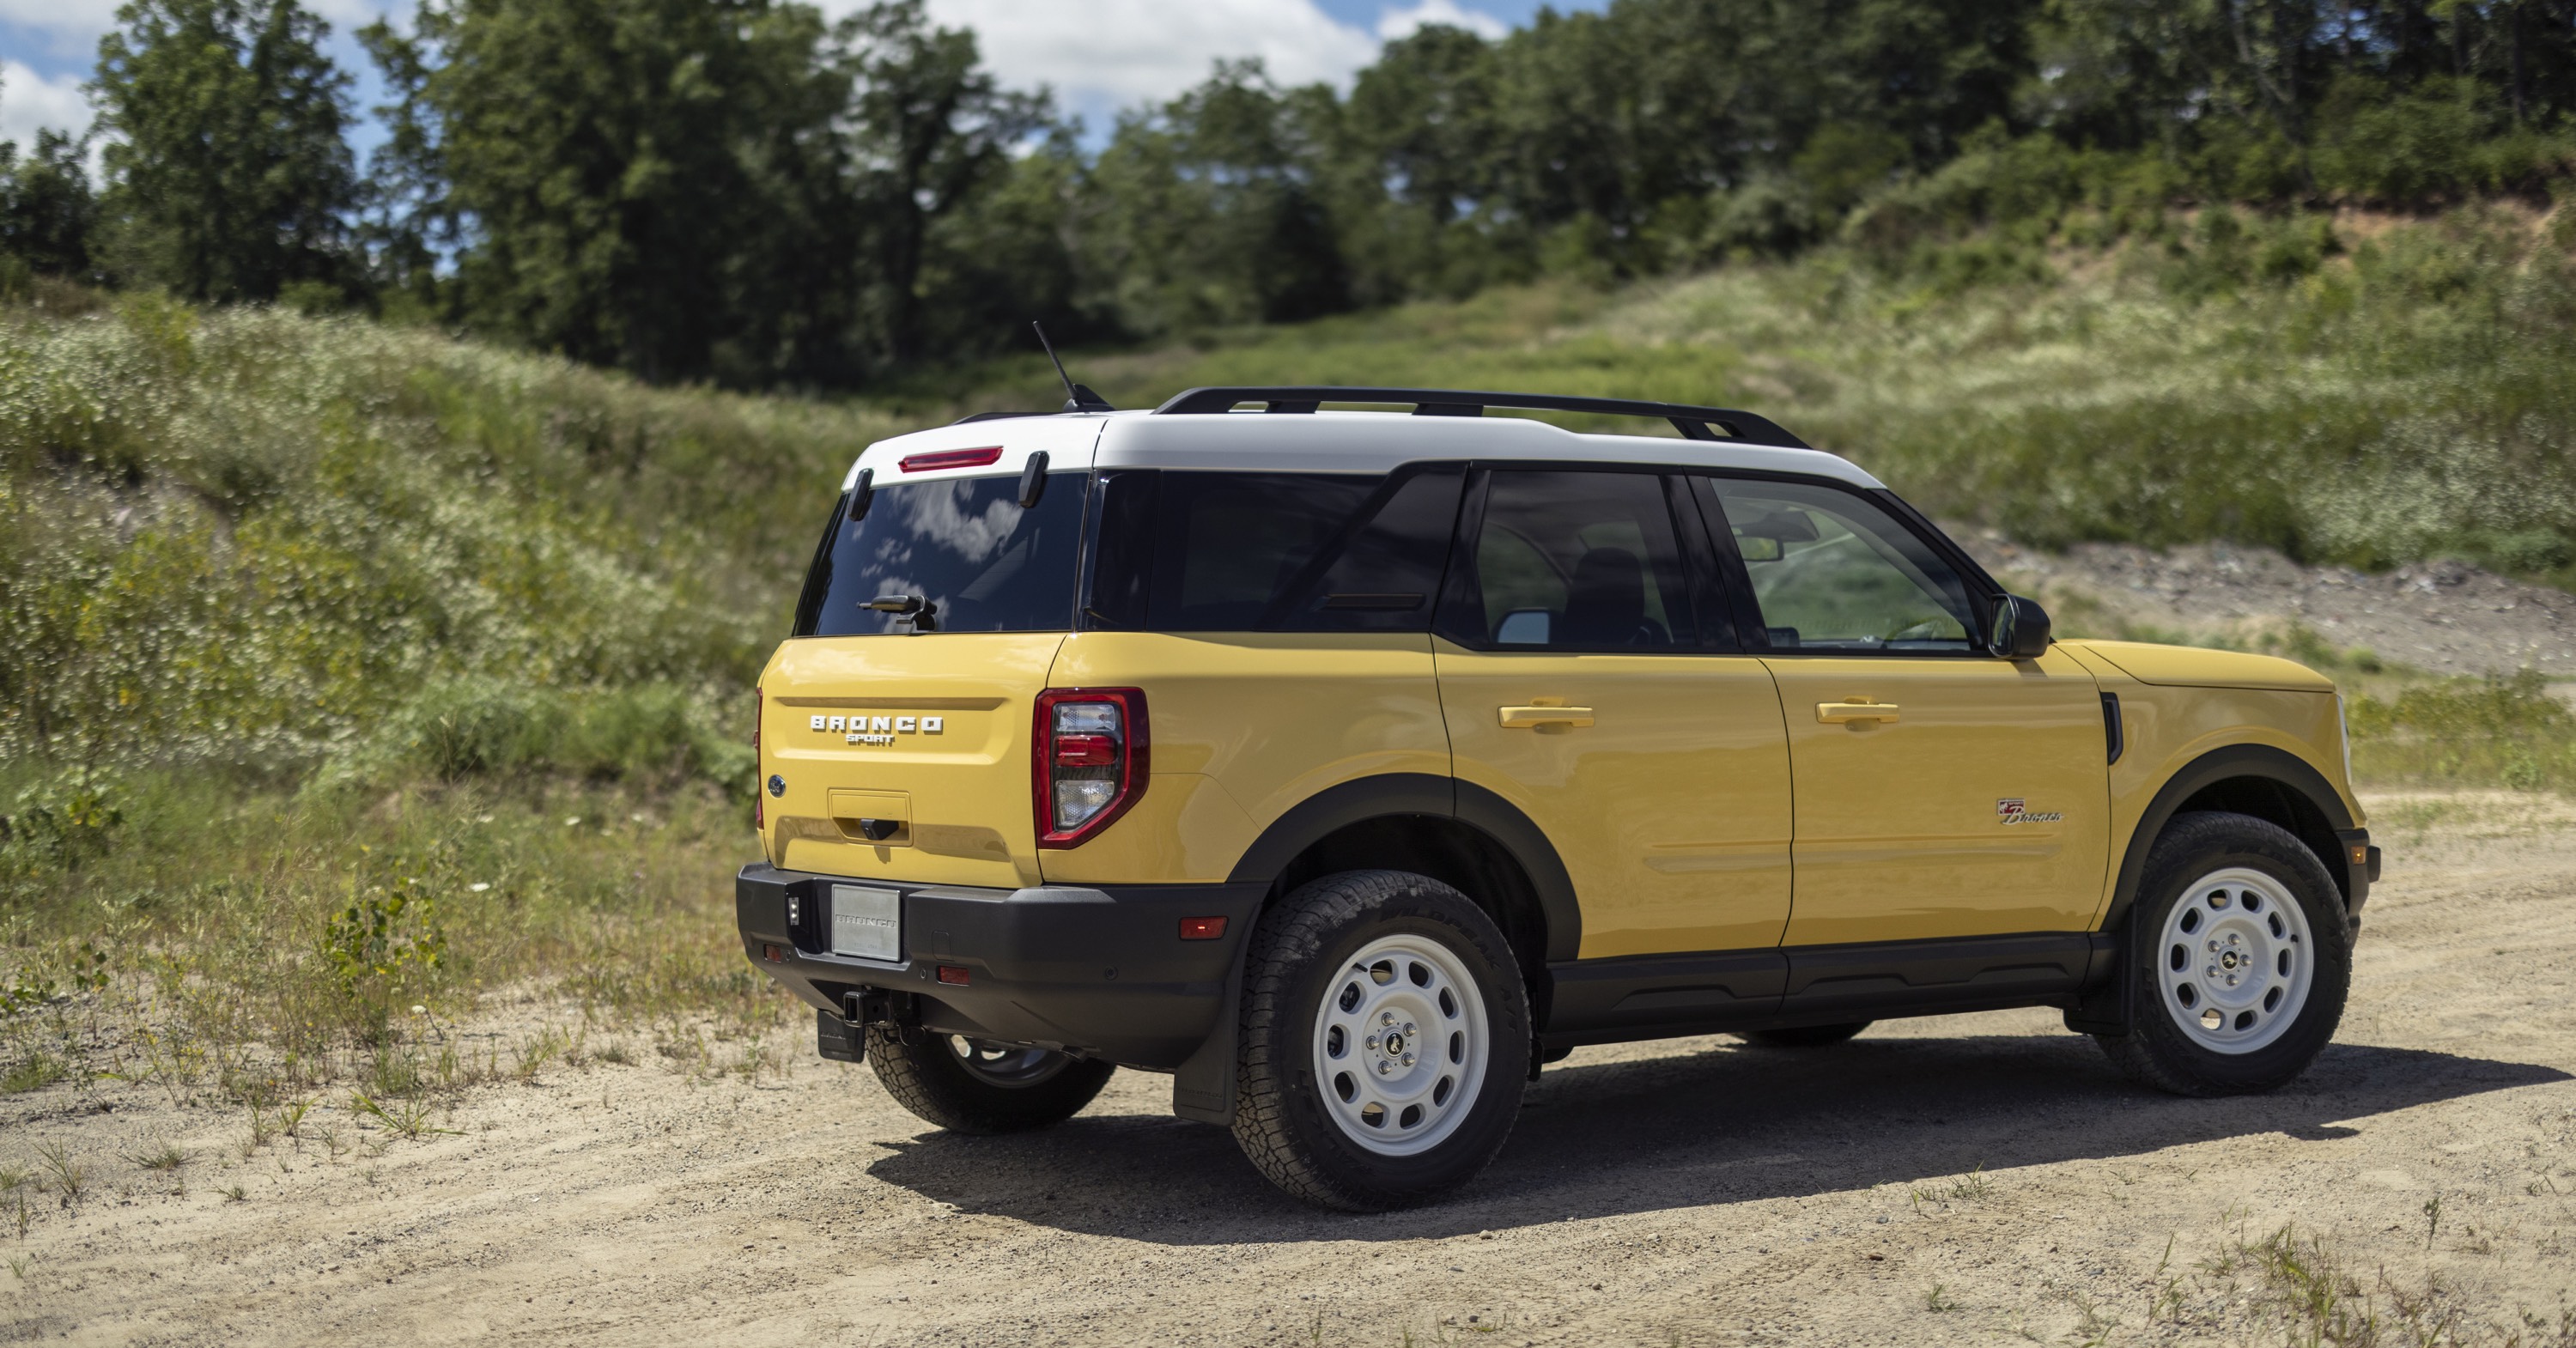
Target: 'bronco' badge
(2013,811)
(877,729)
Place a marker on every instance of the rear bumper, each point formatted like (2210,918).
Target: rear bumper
(1100,972)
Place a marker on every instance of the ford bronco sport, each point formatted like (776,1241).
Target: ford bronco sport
(1347,766)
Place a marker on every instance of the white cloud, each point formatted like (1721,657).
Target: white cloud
(1399,23)
(78,20)
(29,100)
(1107,54)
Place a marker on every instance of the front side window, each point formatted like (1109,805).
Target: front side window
(1833,571)
(962,550)
(1583,561)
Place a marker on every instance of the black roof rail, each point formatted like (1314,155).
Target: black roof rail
(1695,423)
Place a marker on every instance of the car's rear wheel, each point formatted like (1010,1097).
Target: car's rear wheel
(1385,1040)
(2242,959)
(1803,1036)
(977,1086)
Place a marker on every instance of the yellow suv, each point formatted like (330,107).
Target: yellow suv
(1347,766)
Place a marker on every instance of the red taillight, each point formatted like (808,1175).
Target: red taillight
(1202,928)
(759,815)
(1090,763)
(950,458)
(1086,751)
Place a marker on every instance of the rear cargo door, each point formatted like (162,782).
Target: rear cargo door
(896,722)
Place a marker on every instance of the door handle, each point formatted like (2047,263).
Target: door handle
(1530,718)
(1849,713)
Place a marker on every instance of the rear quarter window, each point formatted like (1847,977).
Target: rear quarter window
(1271,552)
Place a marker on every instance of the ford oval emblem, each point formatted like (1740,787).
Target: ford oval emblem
(777,785)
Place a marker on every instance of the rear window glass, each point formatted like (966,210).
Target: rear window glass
(963,547)
(1272,552)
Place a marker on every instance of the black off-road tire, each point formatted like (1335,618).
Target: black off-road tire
(1804,1036)
(2157,1051)
(1302,951)
(928,1078)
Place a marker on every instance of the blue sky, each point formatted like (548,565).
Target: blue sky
(1098,55)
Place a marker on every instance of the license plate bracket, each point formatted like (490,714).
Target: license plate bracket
(867,923)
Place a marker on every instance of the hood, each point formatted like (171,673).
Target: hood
(2195,667)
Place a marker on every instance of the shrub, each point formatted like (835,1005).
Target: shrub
(61,823)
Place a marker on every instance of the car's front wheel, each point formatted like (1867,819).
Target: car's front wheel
(1385,1040)
(2241,961)
(976,1086)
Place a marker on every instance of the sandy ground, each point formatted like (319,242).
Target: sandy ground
(1972,1179)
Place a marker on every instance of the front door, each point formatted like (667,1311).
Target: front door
(1588,675)
(1939,791)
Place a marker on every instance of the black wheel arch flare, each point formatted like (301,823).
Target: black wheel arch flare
(2253,779)
(1394,796)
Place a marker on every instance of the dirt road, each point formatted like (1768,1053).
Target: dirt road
(1966,1180)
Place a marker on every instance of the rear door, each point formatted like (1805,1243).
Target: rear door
(1591,680)
(895,723)
(1940,792)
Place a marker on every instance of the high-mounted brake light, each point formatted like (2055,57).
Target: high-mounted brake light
(950,458)
(1090,762)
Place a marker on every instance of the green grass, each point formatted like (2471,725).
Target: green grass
(348,669)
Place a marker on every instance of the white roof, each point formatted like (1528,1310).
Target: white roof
(1312,442)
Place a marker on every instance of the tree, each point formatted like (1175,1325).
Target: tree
(930,133)
(47,211)
(638,183)
(228,171)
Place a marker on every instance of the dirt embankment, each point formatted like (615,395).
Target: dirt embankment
(2441,617)
(1964,1180)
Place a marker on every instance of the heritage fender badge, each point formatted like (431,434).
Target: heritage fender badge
(876,729)
(2012,810)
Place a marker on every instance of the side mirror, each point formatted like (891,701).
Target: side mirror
(2021,629)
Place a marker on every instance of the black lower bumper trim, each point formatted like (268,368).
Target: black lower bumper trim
(1098,971)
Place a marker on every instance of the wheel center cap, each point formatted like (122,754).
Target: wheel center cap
(1394,1044)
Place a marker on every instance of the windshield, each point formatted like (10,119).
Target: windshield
(963,548)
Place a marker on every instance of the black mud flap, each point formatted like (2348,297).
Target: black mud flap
(837,1039)
(1203,1086)
(2103,1006)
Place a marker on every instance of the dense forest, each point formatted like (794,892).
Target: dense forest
(738,191)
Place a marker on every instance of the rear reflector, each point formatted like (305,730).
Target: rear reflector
(1202,928)
(771,953)
(950,458)
(953,974)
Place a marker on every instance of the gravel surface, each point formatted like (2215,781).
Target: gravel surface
(1970,1179)
(2442,617)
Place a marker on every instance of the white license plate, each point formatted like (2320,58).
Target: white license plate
(867,923)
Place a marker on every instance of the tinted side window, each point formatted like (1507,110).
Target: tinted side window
(1271,552)
(1833,571)
(1577,561)
(964,546)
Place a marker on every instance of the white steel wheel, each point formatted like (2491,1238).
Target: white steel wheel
(2236,961)
(1401,1045)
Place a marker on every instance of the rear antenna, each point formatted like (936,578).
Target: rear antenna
(1076,397)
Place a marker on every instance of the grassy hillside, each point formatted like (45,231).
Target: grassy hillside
(348,669)
(2370,391)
